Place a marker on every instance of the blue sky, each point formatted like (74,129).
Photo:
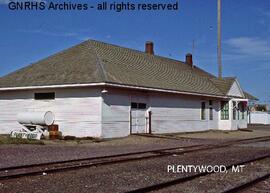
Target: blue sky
(28,36)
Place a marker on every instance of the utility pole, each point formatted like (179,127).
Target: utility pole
(219,40)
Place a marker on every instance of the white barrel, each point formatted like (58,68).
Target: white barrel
(36,118)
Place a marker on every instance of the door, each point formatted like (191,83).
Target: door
(138,117)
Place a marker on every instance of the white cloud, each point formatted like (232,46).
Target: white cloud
(248,51)
(57,33)
(84,38)
(264,12)
(264,19)
(47,33)
(249,46)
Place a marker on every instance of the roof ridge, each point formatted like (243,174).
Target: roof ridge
(142,52)
(94,61)
(157,56)
(99,62)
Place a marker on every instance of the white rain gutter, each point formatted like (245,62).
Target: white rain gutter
(112,85)
(239,100)
(51,86)
(163,90)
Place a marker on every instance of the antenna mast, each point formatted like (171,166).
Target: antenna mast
(219,40)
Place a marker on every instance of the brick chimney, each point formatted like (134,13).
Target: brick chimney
(149,47)
(189,60)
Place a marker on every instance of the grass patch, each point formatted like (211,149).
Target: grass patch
(5,139)
(80,140)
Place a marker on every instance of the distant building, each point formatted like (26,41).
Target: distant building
(259,107)
(102,90)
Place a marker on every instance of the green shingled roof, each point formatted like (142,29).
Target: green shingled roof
(96,62)
(250,97)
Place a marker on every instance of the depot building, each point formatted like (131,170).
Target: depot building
(102,90)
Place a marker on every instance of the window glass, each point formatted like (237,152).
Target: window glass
(238,113)
(242,110)
(45,96)
(210,110)
(224,110)
(134,105)
(234,110)
(203,111)
(141,106)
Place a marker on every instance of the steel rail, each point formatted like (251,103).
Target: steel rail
(248,184)
(92,158)
(177,181)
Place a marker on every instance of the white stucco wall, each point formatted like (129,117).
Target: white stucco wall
(174,113)
(88,112)
(170,113)
(77,111)
(115,114)
(259,117)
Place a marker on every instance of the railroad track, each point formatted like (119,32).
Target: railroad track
(59,166)
(178,181)
(171,137)
(247,185)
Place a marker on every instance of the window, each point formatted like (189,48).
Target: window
(141,106)
(242,110)
(134,105)
(224,110)
(210,110)
(138,105)
(45,96)
(203,111)
(234,110)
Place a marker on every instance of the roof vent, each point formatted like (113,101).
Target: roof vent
(189,60)
(149,47)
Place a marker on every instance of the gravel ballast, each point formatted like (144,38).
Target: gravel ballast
(127,176)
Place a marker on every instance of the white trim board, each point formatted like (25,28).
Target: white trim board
(111,85)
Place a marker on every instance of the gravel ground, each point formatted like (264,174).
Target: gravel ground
(124,176)
(258,144)
(262,187)
(127,176)
(13,155)
(227,134)
(259,127)
(220,182)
